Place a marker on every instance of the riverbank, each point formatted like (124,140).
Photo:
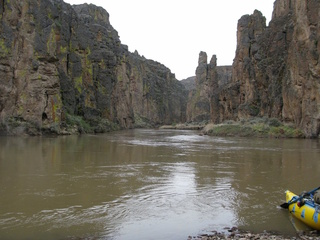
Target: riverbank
(255,127)
(185,126)
(75,125)
(235,233)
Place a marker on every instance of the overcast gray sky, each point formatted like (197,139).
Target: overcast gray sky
(173,32)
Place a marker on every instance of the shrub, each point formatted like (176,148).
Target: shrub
(83,126)
(255,127)
(273,122)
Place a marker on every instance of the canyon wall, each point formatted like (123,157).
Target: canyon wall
(275,73)
(63,65)
(283,65)
(63,69)
(276,70)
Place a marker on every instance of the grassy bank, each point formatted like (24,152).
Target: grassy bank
(257,127)
(185,126)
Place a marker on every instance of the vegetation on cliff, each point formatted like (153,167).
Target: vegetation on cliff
(63,66)
(76,124)
(275,73)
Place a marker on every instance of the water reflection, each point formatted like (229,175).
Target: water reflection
(149,184)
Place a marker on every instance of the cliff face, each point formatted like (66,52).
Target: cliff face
(151,91)
(198,108)
(276,71)
(204,88)
(30,86)
(63,66)
(301,81)
(60,62)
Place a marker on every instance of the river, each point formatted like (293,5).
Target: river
(149,184)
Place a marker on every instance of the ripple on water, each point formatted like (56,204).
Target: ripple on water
(135,187)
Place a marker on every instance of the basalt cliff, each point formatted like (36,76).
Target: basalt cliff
(64,66)
(63,69)
(275,73)
(203,89)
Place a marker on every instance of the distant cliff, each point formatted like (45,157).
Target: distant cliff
(204,89)
(63,67)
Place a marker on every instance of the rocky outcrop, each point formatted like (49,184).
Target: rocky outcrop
(276,71)
(203,100)
(198,108)
(62,65)
(250,28)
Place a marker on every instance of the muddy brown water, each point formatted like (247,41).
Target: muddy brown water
(149,184)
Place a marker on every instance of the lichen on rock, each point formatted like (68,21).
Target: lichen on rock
(58,60)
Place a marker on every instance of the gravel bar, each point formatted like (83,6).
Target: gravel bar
(235,233)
